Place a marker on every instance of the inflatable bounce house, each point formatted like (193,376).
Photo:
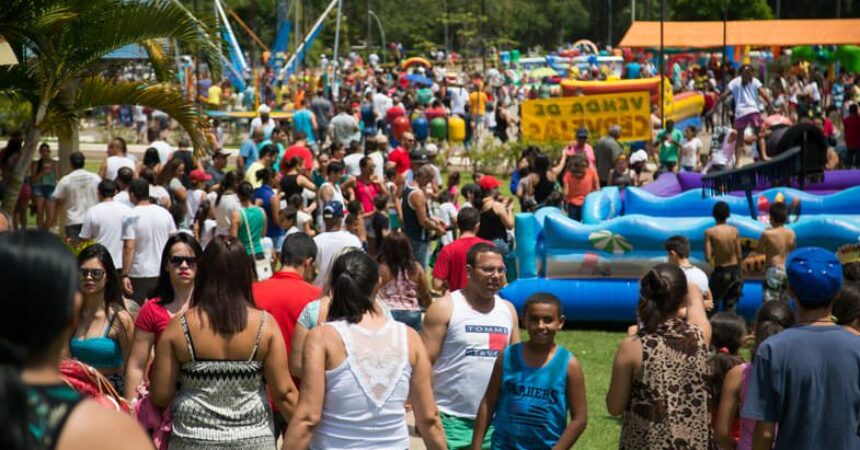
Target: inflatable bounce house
(594,266)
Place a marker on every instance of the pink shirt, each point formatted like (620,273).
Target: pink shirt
(365,193)
(152,318)
(586,150)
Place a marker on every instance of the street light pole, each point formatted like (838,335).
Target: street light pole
(445,27)
(381,32)
(609,24)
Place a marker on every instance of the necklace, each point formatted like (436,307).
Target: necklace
(810,322)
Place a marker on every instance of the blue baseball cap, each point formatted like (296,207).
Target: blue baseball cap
(814,274)
(332,209)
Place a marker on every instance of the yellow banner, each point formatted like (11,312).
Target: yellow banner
(557,119)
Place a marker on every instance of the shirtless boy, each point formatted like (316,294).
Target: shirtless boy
(723,250)
(776,243)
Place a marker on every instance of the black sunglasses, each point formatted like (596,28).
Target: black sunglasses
(95,274)
(178,260)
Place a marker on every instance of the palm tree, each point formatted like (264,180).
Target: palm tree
(60,43)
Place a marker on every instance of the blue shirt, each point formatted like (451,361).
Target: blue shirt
(249,151)
(531,411)
(807,380)
(302,122)
(265,193)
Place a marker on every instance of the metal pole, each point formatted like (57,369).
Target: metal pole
(838,9)
(662,64)
(381,33)
(632,11)
(445,27)
(725,49)
(368,26)
(335,63)
(778,9)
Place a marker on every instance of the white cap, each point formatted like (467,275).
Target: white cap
(431,149)
(638,156)
(263,109)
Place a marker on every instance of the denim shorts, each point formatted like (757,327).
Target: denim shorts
(44,191)
(410,318)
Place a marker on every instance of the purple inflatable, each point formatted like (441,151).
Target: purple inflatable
(669,184)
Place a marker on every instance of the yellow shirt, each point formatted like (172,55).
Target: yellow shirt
(215,94)
(477,103)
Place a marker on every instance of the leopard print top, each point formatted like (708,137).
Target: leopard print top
(668,407)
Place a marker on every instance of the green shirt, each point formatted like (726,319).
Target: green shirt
(252,220)
(669,152)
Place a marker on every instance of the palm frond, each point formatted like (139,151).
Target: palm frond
(97,91)
(117,23)
(161,64)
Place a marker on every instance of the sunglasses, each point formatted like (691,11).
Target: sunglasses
(178,260)
(95,274)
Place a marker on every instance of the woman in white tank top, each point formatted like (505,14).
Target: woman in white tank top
(359,369)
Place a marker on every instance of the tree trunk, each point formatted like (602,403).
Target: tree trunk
(69,142)
(22,166)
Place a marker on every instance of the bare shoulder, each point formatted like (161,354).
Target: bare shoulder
(92,426)
(439,311)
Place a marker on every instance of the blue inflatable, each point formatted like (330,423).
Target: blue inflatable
(594,268)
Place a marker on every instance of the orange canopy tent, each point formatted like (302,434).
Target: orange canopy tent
(758,33)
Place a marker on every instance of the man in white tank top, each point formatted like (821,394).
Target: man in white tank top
(464,332)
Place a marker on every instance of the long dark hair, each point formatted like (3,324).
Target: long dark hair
(230,181)
(113,294)
(396,253)
(661,291)
(354,276)
(728,331)
(771,318)
(163,290)
(39,278)
(846,308)
(222,289)
(168,172)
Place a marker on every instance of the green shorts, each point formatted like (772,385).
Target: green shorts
(458,432)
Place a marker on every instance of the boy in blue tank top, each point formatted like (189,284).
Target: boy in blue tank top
(533,387)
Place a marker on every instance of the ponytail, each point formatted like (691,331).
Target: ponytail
(354,276)
(771,318)
(661,290)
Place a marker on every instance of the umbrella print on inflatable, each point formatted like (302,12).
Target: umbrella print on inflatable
(609,242)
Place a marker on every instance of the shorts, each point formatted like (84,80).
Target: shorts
(726,284)
(408,317)
(421,250)
(775,285)
(458,432)
(750,120)
(44,191)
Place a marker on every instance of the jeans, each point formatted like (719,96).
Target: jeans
(421,250)
(410,318)
(853,160)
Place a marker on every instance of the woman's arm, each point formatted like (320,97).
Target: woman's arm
(423,287)
(427,419)
(235,221)
(696,314)
(578,405)
(165,369)
(298,344)
(181,193)
(728,408)
(309,410)
(488,404)
(559,168)
(275,204)
(622,376)
(278,380)
(306,183)
(136,364)
(265,223)
(124,333)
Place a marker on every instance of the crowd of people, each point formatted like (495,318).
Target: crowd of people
(339,275)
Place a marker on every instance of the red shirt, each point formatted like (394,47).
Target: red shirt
(152,318)
(852,131)
(432,113)
(401,158)
(393,113)
(302,152)
(576,189)
(451,262)
(284,296)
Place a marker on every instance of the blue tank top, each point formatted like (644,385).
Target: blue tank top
(99,352)
(265,193)
(302,122)
(411,226)
(531,411)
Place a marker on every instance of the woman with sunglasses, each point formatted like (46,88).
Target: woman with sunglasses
(103,336)
(216,362)
(169,298)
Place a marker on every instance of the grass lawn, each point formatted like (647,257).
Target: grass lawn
(594,349)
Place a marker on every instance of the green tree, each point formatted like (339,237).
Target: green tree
(60,44)
(713,9)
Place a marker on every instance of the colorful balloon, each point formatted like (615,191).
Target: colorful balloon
(456,129)
(399,126)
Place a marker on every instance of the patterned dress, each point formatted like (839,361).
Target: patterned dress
(222,404)
(668,407)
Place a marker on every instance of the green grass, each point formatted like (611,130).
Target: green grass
(595,350)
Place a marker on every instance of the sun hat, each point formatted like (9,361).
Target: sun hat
(489,182)
(264,109)
(638,156)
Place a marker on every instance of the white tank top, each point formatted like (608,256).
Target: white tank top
(337,195)
(366,394)
(465,363)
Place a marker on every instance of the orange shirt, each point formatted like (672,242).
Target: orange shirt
(575,189)
(477,103)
